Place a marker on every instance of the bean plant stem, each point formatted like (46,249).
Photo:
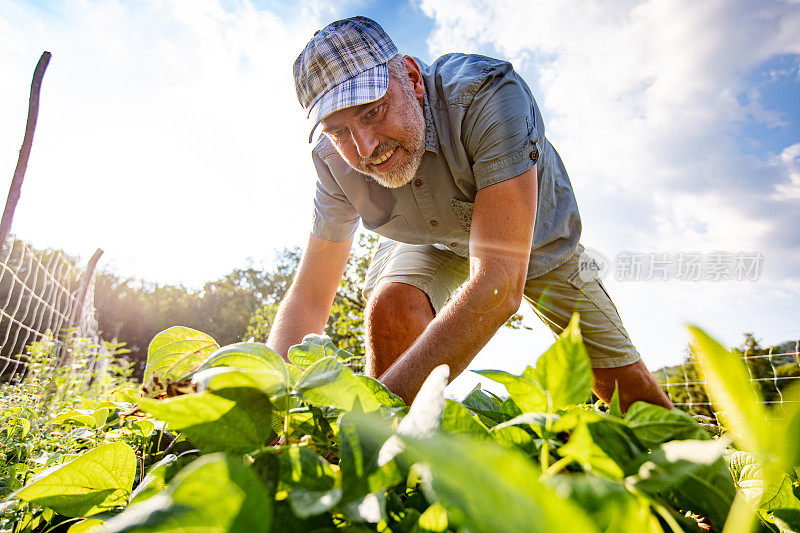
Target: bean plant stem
(52,527)
(660,506)
(276,449)
(558,466)
(544,456)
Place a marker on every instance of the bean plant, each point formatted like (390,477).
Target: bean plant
(236,439)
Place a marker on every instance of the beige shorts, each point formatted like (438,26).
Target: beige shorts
(554,296)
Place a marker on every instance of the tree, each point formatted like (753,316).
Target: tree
(346,322)
(770,375)
(236,307)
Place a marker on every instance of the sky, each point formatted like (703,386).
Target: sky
(170,136)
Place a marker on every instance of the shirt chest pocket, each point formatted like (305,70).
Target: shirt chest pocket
(396,229)
(462,212)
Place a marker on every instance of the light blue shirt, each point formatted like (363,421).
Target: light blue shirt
(482,126)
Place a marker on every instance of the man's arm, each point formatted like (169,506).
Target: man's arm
(500,247)
(307,304)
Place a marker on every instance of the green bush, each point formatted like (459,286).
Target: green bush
(261,445)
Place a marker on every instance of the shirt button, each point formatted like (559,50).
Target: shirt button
(417,182)
(453,244)
(433,223)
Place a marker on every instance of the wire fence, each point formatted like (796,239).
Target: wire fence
(47,316)
(771,371)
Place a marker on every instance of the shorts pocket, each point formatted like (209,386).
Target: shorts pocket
(593,290)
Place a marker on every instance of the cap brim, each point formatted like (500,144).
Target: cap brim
(363,88)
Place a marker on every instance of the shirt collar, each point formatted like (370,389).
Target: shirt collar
(431,138)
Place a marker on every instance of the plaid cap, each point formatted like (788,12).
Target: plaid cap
(343,65)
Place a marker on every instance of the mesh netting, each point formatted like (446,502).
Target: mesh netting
(47,316)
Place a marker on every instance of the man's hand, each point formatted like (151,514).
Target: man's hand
(307,304)
(500,247)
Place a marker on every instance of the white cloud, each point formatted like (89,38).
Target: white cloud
(640,98)
(789,161)
(645,101)
(169,132)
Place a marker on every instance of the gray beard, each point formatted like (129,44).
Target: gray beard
(400,176)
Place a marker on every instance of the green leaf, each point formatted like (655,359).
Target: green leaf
(536,421)
(564,371)
(511,409)
(361,474)
(329,383)
(787,429)
(487,488)
(599,442)
(457,419)
(268,381)
(692,476)
(232,419)
(673,461)
(88,525)
(100,415)
(788,520)
(614,409)
(515,437)
(653,424)
(311,481)
(434,519)
(301,467)
(756,480)
(313,349)
(154,481)
(143,427)
(295,373)
(583,449)
(381,393)
(608,504)
(307,503)
(177,351)
(252,355)
(526,394)
(100,479)
(728,384)
(213,494)
(485,407)
(81,416)
(370,508)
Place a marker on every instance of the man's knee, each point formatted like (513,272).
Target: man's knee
(394,305)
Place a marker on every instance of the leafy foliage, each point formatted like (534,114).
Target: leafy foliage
(266,444)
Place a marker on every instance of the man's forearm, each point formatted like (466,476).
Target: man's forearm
(296,318)
(455,336)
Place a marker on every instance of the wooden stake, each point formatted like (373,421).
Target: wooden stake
(25,151)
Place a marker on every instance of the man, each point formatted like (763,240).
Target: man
(449,164)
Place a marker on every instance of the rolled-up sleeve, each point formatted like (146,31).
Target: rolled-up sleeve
(335,218)
(500,133)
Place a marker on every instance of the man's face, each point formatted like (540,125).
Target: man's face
(384,139)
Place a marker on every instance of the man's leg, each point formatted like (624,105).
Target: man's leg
(405,286)
(396,314)
(615,361)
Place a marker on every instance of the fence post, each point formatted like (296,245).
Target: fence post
(24,152)
(80,300)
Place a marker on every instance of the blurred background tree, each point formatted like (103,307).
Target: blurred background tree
(771,369)
(242,305)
